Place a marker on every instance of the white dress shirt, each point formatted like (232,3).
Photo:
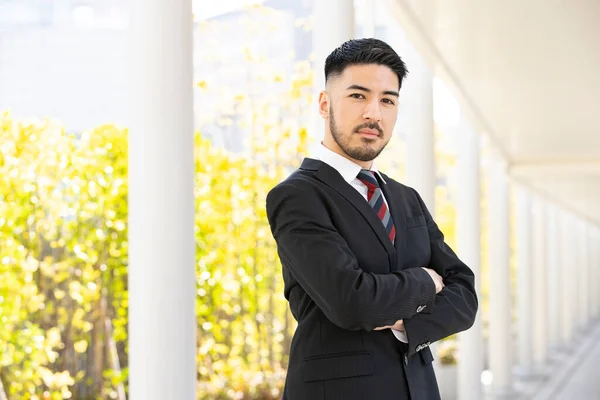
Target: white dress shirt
(349,171)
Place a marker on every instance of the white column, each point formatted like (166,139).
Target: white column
(576,273)
(468,237)
(591,280)
(334,24)
(583,268)
(595,267)
(566,273)
(500,348)
(416,120)
(592,272)
(367,17)
(554,281)
(524,282)
(539,294)
(595,274)
(162,279)
(420,150)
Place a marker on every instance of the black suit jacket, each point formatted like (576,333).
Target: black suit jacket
(344,277)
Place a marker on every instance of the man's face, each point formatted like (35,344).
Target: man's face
(361,108)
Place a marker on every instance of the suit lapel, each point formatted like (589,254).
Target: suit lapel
(334,180)
(396,206)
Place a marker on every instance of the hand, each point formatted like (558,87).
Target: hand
(399,326)
(439,282)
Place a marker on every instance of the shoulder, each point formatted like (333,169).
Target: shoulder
(297,198)
(302,179)
(298,181)
(299,188)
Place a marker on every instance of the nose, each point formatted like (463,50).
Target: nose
(372,112)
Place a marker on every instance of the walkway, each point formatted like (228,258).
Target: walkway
(573,374)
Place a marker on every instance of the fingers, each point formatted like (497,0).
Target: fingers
(399,325)
(432,273)
(380,328)
(437,279)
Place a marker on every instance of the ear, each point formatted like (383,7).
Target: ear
(324,104)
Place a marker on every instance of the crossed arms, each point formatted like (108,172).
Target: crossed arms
(320,260)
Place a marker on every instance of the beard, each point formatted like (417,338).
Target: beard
(362,152)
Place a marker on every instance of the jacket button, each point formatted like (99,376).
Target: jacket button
(405,359)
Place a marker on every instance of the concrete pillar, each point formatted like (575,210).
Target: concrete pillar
(539,287)
(584,276)
(566,273)
(576,271)
(524,282)
(334,24)
(500,347)
(554,298)
(162,278)
(595,273)
(468,235)
(420,146)
(592,277)
(417,123)
(595,268)
(366,17)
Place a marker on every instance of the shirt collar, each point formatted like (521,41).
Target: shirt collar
(348,169)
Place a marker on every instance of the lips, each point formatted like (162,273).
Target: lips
(369,132)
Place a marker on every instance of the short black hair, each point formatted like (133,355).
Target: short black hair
(364,51)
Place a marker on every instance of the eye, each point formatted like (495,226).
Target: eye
(389,101)
(357,96)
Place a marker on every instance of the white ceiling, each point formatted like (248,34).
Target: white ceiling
(528,74)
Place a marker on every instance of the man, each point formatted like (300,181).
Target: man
(367,273)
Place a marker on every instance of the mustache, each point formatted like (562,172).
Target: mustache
(369,126)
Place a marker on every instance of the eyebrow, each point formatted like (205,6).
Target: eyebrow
(364,89)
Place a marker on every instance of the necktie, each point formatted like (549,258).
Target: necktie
(375,199)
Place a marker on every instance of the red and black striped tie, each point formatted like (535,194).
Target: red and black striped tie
(375,199)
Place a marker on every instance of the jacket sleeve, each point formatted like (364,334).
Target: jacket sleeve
(320,260)
(455,307)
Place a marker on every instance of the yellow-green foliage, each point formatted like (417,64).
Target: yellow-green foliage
(244,324)
(63,264)
(63,251)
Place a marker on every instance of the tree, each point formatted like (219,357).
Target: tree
(63,257)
